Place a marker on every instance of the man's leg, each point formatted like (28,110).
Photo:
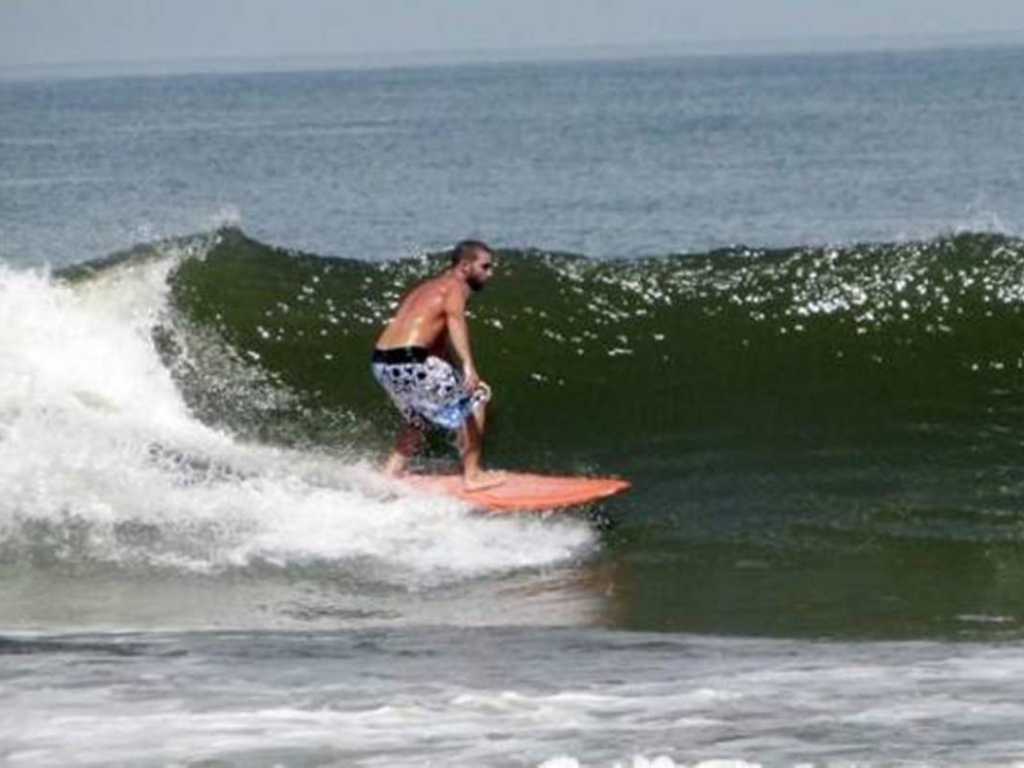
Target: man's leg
(471,443)
(410,440)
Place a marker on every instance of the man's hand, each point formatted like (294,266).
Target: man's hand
(470,378)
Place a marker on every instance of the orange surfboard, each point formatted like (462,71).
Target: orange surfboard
(523,492)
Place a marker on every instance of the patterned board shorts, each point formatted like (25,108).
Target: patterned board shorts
(427,390)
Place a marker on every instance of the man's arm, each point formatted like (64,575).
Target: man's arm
(458,335)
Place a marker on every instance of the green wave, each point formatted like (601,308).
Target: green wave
(596,355)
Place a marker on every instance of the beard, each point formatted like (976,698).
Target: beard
(474,284)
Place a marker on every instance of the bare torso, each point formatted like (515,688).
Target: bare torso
(422,318)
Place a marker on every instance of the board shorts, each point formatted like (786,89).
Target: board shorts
(426,389)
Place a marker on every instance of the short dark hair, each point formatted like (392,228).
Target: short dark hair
(467,250)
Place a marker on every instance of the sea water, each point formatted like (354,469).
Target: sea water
(781,294)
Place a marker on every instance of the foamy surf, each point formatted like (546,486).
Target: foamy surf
(554,698)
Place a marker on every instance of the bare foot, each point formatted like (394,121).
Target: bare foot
(483,480)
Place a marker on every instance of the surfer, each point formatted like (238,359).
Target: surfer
(424,362)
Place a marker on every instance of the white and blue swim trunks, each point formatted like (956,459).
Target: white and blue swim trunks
(426,389)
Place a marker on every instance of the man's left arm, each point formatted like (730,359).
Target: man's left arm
(458,336)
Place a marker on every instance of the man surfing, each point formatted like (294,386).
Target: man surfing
(413,362)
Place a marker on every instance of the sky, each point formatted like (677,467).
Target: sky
(43,32)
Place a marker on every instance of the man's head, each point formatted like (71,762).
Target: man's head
(475,261)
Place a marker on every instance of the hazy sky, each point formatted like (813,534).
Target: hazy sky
(57,31)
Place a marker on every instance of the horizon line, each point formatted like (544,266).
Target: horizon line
(389,59)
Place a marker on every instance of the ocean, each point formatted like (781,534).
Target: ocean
(782,294)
